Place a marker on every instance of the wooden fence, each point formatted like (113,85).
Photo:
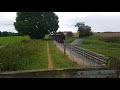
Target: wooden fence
(101,59)
(63,73)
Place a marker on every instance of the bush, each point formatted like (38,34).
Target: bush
(113,63)
(61,33)
(69,34)
(15,56)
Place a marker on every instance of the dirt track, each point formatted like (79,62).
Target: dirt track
(50,65)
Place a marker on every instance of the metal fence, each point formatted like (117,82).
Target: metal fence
(101,59)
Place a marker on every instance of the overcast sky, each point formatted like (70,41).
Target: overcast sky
(99,21)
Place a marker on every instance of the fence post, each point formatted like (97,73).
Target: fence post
(107,62)
(0,66)
(64,47)
(83,52)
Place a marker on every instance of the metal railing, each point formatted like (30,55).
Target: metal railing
(63,73)
(101,59)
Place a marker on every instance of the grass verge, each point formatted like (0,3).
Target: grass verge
(10,39)
(24,55)
(59,59)
(101,47)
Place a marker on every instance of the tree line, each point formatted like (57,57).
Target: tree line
(5,33)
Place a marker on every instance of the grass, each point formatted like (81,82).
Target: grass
(100,46)
(71,39)
(10,39)
(59,59)
(24,55)
(110,39)
(112,34)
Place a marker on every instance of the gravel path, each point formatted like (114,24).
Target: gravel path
(80,59)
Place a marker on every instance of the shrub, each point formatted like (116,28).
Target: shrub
(69,34)
(113,63)
(14,56)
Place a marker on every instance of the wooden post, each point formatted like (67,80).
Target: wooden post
(0,66)
(83,52)
(64,47)
(107,64)
(83,56)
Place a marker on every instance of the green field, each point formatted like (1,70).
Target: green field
(27,55)
(99,45)
(70,39)
(59,59)
(10,39)
(21,53)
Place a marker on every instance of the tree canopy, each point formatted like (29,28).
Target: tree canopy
(0,33)
(5,33)
(69,34)
(83,30)
(36,24)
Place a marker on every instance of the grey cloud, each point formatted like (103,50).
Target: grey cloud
(97,22)
(7,25)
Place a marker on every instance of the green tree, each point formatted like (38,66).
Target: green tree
(61,33)
(5,33)
(83,30)
(36,24)
(0,34)
(69,34)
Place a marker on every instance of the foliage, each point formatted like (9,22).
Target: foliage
(24,55)
(0,33)
(59,59)
(12,39)
(94,44)
(36,24)
(113,63)
(112,34)
(61,33)
(110,39)
(71,39)
(5,33)
(69,34)
(84,30)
